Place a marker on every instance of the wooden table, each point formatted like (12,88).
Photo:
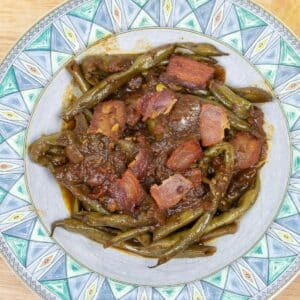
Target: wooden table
(16,17)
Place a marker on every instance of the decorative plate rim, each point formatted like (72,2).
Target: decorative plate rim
(270,291)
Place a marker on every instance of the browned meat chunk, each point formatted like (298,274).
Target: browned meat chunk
(139,165)
(213,120)
(195,176)
(132,115)
(247,150)
(127,192)
(188,72)
(109,119)
(153,104)
(184,155)
(184,117)
(171,191)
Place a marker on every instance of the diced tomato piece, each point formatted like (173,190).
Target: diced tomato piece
(127,191)
(213,121)
(171,191)
(188,72)
(247,150)
(153,104)
(184,155)
(109,118)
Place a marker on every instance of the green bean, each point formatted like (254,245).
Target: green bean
(85,200)
(75,70)
(189,238)
(163,63)
(176,221)
(241,182)
(245,202)
(77,226)
(39,148)
(229,99)
(253,94)
(199,92)
(191,252)
(96,219)
(127,235)
(144,239)
(223,230)
(197,251)
(103,237)
(112,231)
(202,49)
(81,124)
(237,123)
(113,82)
(96,67)
(75,206)
(205,59)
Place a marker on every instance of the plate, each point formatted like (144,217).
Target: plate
(255,262)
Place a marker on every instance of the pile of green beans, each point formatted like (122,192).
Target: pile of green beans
(184,234)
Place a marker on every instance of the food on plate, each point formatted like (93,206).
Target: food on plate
(159,155)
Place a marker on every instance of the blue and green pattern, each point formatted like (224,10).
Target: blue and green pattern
(68,31)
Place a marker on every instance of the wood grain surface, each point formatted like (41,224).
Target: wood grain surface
(16,18)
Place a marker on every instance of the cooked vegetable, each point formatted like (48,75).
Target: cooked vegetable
(245,202)
(237,104)
(96,219)
(205,59)
(75,70)
(127,235)
(97,67)
(160,156)
(176,222)
(253,94)
(223,230)
(203,49)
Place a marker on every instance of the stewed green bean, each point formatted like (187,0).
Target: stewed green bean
(228,98)
(177,221)
(74,69)
(127,235)
(223,230)
(253,94)
(202,49)
(121,221)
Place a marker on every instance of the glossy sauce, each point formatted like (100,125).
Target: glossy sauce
(68,198)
